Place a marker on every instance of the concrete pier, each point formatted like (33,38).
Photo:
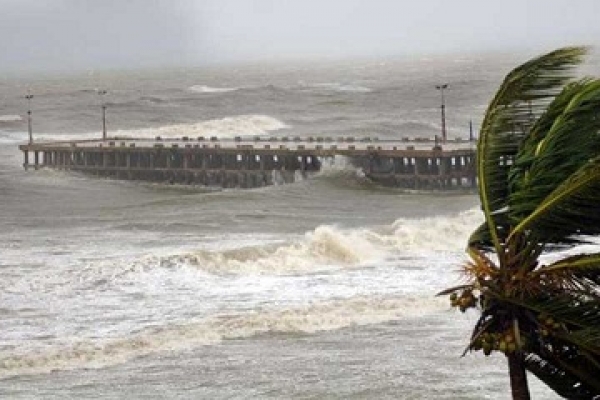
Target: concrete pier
(259,161)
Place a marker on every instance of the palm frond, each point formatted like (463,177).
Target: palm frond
(519,173)
(570,143)
(583,269)
(572,208)
(507,121)
(562,382)
(576,312)
(481,238)
(585,339)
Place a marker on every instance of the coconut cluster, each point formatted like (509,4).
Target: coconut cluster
(465,300)
(549,325)
(496,341)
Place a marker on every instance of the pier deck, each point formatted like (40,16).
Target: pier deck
(257,161)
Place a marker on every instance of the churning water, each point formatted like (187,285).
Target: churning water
(320,289)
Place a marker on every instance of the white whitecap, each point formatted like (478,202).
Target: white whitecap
(315,317)
(10,118)
(211,89)
(239,125)
(339,87)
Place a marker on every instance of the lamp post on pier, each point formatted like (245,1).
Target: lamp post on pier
(102,93)
(441,89)
(29,96)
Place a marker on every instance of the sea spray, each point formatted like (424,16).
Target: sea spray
(440,233)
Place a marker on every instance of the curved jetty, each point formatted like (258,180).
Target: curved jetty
(248,162)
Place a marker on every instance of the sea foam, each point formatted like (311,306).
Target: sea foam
(227,127)
(71,354)
(10,118)
(224,127)
(329,248)
(210,89)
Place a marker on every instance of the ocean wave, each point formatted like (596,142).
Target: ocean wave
(326,248)
(223,127)
(10,118)
(210,89)
(238,125)
(13,137)
(440,233)
(336,87)
(72,354)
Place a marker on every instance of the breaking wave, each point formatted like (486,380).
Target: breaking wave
(315,317)
(10,118)
(13,137)
(435,233)
(336,87)
(209,89)
(328,248)
(224,127)
(325,247)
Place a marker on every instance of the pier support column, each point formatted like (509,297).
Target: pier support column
(416,173)
(443,170)
(36,159)
(186,161)
(25,159)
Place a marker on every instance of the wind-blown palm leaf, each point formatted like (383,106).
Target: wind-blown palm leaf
(558,379)
(583,269)
(571,142)
(573,208)
(507,120)
(518,174)
(481,238)
(576,310)
(588,339)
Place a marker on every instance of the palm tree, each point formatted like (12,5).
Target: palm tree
(538,167)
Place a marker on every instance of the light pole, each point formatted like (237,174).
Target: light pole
(102,93)
(441,89)
(471,137)
(29,96)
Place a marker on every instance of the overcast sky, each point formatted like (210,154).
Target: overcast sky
(96,34)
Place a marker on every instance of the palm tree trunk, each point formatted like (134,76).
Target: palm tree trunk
(518,377)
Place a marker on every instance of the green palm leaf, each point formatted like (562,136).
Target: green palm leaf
(507,120)
(557,378)
(573,208)
(582,269)
(519,173)
(570,143)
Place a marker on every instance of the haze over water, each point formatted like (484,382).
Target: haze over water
(324,288)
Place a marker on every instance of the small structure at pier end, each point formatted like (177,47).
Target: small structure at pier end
(256,161)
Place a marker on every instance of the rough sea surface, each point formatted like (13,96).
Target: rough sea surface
(321,289)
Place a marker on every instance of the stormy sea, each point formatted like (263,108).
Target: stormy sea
(320,289)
